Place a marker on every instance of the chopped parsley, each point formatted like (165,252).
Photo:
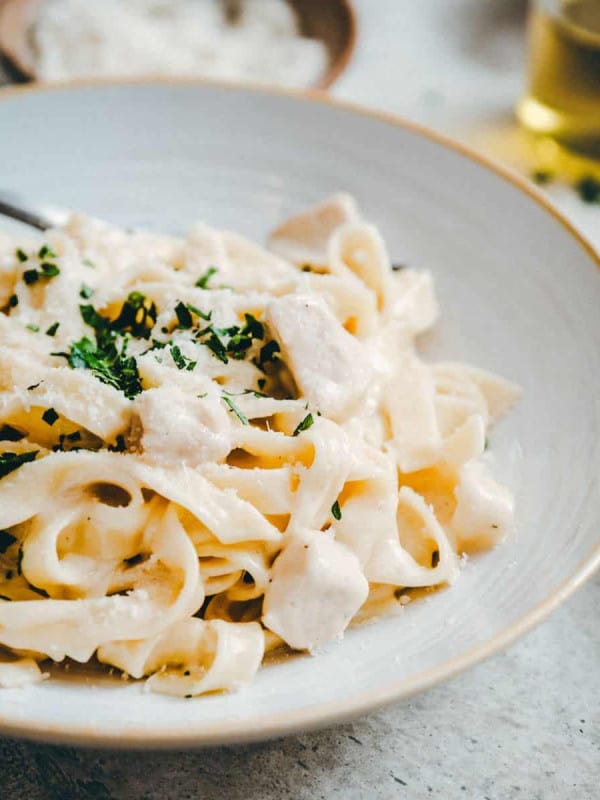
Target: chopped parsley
(181,361)
(31,276)
(50,416)
(46,271)
(588,189)
(336,510)
(9,462)
(268,352)
(253,327)
(232,407)
(106,357)
(52,329)
(46,251)
(86,291)
(33,328)
(202,282)
(13,301)
(67,439)
(10,434)
(199,312)
(233,342)
(184,316)
(306,423)
(119,446)
(41,592)
(137,316)
(216,346)
(133,561)
(542,176)
(92,318)
(108,361)
(21,255)
(6,540)
(245,391)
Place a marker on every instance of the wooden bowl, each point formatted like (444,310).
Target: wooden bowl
(331,21)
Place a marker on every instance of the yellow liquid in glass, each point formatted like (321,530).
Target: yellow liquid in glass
(564,75)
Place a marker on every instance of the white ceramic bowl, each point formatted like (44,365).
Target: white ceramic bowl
(520,294)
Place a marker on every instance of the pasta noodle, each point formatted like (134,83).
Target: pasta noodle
(208,450)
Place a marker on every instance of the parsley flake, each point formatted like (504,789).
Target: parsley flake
(50,416)
(21,255)
(107,360)
(184,316)
(52,329)
(86,291)
(588,189)
(137,316)
(33,328)
(49,270)
(253,327)
(46,271)
(9,462)
(202,282)
(216,346)
(336,510)
(181,361)
(31,276)
(46,251)
(199,312)
(10,434)
(542,176)
(306,423)
(268,352)
(119,446)
(6,540)
(232,407)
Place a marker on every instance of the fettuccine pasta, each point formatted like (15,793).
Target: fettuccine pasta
(208,449)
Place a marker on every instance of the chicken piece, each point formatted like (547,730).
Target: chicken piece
(303,238)
(177,428)
(316,587)
(484,509)
(329,365)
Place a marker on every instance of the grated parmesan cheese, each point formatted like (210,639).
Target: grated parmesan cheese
(83,38)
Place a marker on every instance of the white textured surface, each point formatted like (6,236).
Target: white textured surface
(524,725)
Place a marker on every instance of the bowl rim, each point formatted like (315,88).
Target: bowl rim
(335,67)
(338,711)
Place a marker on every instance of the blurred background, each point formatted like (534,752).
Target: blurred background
(463,67)
(516,80)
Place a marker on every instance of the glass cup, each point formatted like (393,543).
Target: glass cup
(563,93)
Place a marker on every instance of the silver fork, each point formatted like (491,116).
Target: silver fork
(41,217)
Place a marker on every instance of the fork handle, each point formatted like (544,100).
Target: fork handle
(7,209)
